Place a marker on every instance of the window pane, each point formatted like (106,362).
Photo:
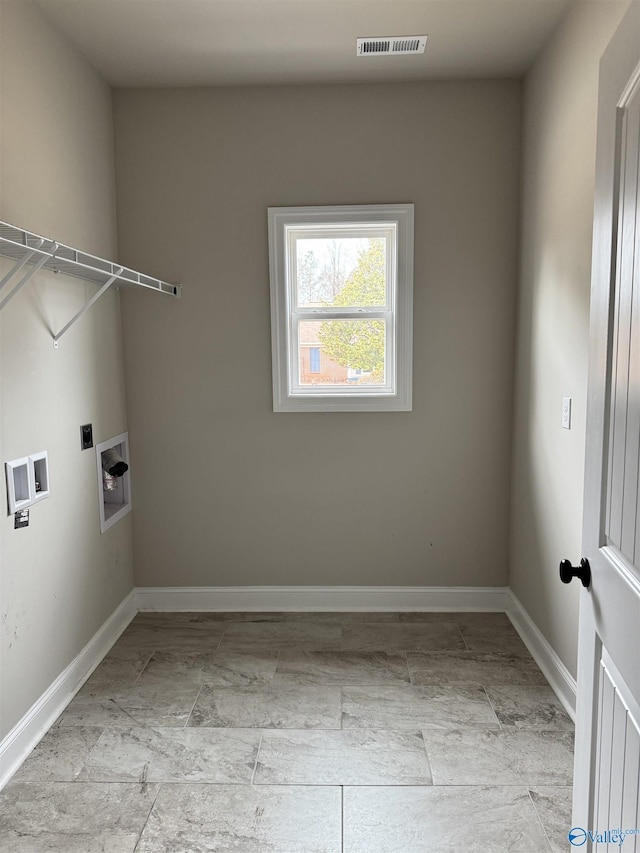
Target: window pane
(341,271)
(351,353)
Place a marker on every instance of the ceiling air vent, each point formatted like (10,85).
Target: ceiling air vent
(390,45)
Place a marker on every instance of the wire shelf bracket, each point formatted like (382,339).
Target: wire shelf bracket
(28,249)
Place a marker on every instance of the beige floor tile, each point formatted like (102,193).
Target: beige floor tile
(217,668)
(120,668)
(173,755)
(66,817)
(281,635)
(502,639)
(529,707)
(412,708)
(138,705)
(192,636)
(229,818)
(342,758)
(60,755)
(272,616)
(439,636)
(471,757)
(306,706)
(459,617)
(198,621)
(341,668)
(553,805)
(473,668)
(441,820)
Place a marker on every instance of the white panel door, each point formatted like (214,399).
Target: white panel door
(607,769)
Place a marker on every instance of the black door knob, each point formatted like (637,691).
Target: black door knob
(583,571)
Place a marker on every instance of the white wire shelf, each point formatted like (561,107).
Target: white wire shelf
(35,252)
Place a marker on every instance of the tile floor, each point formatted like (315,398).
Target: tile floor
(302,733)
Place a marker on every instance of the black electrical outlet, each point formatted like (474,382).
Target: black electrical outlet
(86,436)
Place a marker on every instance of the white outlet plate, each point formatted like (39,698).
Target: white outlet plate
(566,413)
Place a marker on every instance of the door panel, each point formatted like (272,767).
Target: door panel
(624,423)
(607,768)
(617,758)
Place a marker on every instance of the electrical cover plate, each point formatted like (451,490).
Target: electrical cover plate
(86,436)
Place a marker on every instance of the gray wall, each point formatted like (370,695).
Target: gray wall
(560,113)
(229,493)
(59,578)
(225,491)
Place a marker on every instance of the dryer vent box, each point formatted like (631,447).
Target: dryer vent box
(114,491)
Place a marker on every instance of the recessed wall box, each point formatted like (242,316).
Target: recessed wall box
(27,481)
(114,490)
(39,472)
(19,494)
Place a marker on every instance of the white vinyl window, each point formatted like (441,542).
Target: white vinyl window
(341,307)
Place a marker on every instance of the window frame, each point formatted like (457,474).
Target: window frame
(287,393)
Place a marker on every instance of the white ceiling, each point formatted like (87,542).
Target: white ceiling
(243,42)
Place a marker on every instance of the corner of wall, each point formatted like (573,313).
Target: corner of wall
(559,139)
(59,576)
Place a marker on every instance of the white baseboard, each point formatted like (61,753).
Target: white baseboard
(22,738)
(563,683)
(319,598)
